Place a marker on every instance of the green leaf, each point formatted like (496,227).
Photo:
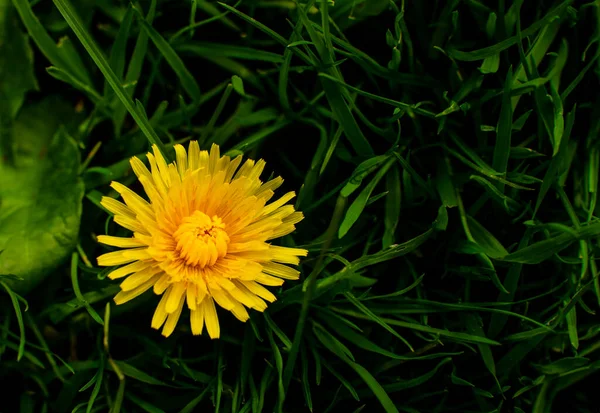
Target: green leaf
(135,373)
(417,381)
(333,345)
(505,44)
(14,298)
(542,250)
(504,130)
(490,64)
(16,64)
(238,85)
(392,206)
(58,56)
(70,15)
(374,318)
(360,173)
(40,194)
(357,207)
(333,90)
(185,77)
(563,365)
(204,49)
(118,50)
(482,237)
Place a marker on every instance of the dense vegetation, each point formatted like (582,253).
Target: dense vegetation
(445,155)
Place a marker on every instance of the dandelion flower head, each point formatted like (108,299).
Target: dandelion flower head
(201,237)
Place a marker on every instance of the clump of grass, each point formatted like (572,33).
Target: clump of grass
(446,155)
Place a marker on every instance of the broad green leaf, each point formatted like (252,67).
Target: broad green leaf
(40,193)
(16,61)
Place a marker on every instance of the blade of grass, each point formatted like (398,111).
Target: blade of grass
(503,130)
(505,44)
(70,15)
(134,68)
(332,90)
(14,298)
(188,82)
(46,44)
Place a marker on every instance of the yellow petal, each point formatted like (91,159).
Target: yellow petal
(162,284)
(239,311)
(287,255)
(197,320)
(281,271)
(259,290)
(191,296)
(137,253)
(245,169)
(247,246)
(114,258)
(136,203)
(139,168)
(161,186)
(244,296)
(232,167)
(155,197)
(213,159)
(139,278)
(116,207)
(280,231)
(128,269)
(210,316)
(180,159)
(193,156)
(222,298)
(269,280)
(119,241)
(176,293)
(163,168)
(270,186)
(160,315)
(131,224)
(124,296)
(277,204)
(172,320)
(257,169)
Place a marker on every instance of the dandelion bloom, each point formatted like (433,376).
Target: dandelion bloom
(201,237)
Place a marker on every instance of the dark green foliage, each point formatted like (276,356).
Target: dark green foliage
(446,156)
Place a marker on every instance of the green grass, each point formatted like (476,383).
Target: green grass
(446,157)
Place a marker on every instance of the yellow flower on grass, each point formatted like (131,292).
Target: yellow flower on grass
(201,237)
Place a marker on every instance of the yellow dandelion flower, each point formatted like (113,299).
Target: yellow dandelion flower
(201,237)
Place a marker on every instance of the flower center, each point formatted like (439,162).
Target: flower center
(201,240)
